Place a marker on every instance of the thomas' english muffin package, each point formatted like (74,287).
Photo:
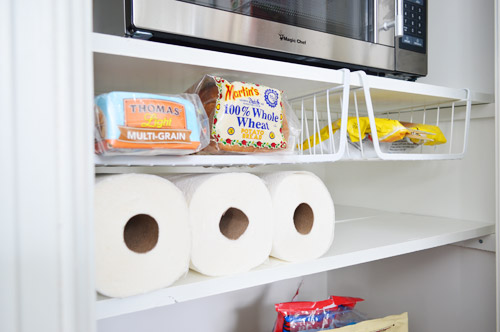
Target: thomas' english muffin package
(246,117)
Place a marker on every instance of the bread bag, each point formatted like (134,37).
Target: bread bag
(246,117)
(132,123)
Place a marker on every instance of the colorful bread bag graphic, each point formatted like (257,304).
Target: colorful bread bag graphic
(130,123)
(246,117)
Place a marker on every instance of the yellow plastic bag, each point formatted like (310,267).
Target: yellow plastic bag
(323,134)
(387,130)
(424,134)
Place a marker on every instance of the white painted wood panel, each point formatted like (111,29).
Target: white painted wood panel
(47,168)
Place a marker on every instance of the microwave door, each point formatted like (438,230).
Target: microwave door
(338,32)
(384,18)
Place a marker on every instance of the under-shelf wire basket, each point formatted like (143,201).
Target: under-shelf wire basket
(333,120)
(323,115)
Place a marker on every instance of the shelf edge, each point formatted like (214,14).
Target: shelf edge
(107,308)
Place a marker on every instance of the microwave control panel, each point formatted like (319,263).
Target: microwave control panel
(414,26)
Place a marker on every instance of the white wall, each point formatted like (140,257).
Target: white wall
(461,44)
(443,289)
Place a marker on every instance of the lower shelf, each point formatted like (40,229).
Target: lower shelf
(361,235)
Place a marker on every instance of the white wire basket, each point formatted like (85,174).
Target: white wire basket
(334,120)
(320,115)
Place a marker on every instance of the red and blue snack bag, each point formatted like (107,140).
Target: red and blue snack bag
(336,311)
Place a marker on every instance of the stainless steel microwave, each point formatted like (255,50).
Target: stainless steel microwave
(382,37)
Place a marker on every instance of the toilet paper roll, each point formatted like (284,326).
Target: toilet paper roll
(230,215)
(304,215)
(141,232)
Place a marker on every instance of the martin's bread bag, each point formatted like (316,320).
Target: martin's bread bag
(132,123)
(246,117)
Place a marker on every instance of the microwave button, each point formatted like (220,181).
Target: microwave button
(405,13)
(412,15)
(412,30)
(412,23)
(420,32)
(414,41)
(407,40)
(418,42)
(416,2)
(412,7)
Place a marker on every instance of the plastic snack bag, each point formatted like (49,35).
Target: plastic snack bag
(246,117)
(132,123)
(424,134)
(387,131)
(394,136)
(317,316)
(394,323)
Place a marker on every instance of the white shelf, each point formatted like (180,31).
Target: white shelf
(136,65)
(361,235)
(388,94)
(128,64)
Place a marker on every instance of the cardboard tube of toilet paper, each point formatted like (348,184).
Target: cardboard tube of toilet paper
(304,215)
(142,236)
(230,216)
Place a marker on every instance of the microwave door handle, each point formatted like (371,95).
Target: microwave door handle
(397,23)
(398,18)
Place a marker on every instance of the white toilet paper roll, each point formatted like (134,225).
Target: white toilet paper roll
(230,216)
(142,234)
(304,215)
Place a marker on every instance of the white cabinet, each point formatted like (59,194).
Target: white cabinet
(46,246)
